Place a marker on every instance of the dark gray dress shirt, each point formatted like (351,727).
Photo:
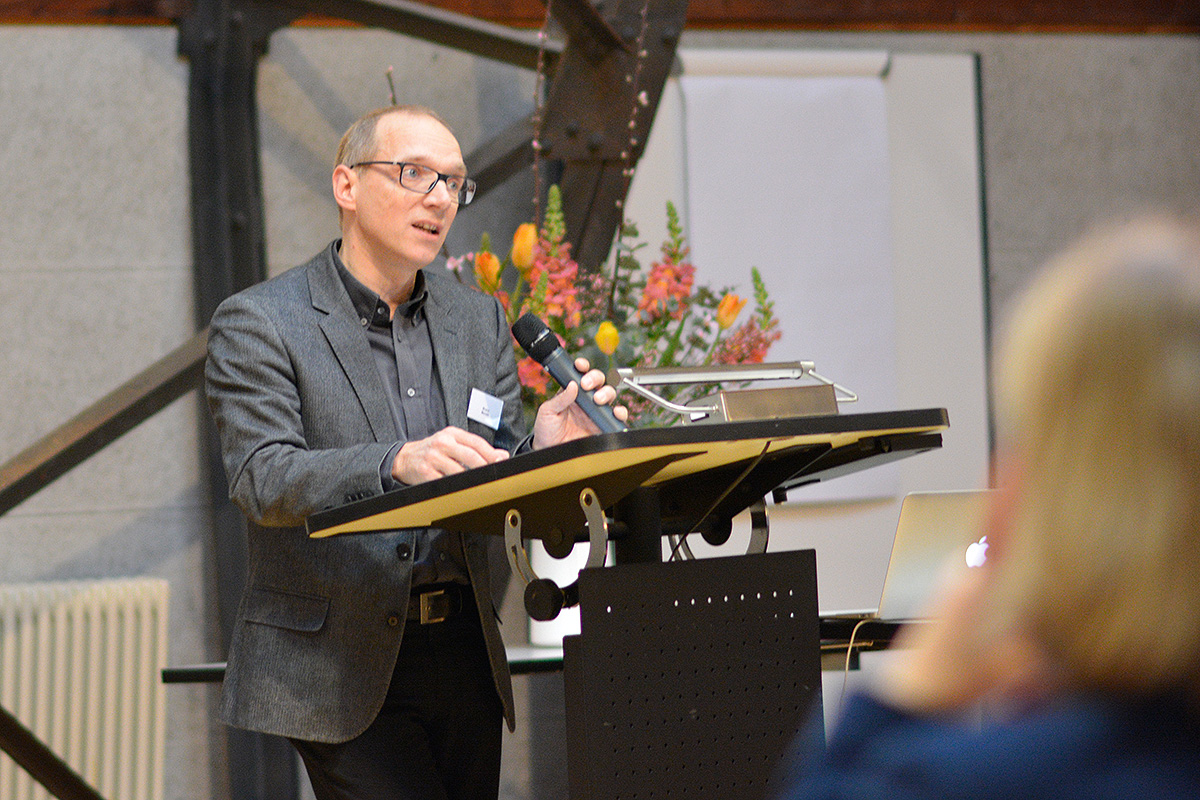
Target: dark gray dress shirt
(403,355)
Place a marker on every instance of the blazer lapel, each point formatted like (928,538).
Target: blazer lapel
(339,323)
(448,350)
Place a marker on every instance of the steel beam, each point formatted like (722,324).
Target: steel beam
(423,21)
(94,428)
(598,92)
(41,763)
(224,40)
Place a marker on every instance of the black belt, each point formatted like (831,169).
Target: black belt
(432,604)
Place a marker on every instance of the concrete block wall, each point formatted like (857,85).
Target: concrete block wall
(95,263)
(95,284)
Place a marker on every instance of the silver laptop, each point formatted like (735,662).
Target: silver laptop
(934,529)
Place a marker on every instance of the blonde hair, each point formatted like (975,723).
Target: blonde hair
(1098,390)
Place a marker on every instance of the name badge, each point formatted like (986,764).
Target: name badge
(485,409)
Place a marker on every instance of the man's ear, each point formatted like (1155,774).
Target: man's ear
(345,187)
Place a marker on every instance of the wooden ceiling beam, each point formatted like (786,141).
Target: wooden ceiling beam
(1108,16)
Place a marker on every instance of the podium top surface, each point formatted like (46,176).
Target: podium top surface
(612,464)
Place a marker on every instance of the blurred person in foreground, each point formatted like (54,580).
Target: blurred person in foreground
(1068,666)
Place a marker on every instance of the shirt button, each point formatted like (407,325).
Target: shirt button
(363,321)
(403,551)
(393,622)
(411,392)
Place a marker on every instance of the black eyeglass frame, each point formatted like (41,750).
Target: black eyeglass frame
(462,197)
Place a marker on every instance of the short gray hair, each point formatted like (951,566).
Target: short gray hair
(358,143)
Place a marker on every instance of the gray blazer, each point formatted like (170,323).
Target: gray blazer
(304,426)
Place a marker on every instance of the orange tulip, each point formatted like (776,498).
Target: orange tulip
(522,247)
(487,271)
(728,309)
(607,338)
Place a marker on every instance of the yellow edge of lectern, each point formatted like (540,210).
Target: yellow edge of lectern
(425,513)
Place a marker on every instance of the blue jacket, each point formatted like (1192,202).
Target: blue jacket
(1092,747)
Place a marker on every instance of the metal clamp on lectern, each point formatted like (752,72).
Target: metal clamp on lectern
(736,405)
(543,597)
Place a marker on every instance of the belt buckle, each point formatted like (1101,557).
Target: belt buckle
(430,612)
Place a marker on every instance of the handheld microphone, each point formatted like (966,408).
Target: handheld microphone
(541,344)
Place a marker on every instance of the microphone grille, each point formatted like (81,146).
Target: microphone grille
(534,337)
(526,328)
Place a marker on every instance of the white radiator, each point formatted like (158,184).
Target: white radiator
(80,666)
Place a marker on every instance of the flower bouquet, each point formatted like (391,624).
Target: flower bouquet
(631,317)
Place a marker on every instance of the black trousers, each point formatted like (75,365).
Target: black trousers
(438,736)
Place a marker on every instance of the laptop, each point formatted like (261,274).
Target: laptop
(934,528)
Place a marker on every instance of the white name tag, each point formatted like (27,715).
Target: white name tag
(485,409)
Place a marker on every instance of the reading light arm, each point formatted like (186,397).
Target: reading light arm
(637,379)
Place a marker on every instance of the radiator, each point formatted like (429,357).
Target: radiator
(80,666)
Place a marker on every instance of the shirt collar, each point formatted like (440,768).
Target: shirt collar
(370,307)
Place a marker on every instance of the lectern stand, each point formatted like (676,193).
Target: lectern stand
(689,678)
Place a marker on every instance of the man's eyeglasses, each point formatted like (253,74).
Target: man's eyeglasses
(422,179)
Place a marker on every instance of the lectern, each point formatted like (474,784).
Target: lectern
(688,679)
(685,477)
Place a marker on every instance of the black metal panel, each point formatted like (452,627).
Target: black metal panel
(690,679)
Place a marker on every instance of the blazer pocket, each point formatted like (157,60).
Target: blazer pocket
(294,612)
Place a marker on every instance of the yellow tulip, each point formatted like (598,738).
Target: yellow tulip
(728,309)
(607,338)
(487,271)
(522,248)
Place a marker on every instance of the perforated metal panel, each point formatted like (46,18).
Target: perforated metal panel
(690,679)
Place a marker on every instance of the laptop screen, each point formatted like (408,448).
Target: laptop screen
(935,529)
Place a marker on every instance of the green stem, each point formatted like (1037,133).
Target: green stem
(712,348)
(673,344)
(514,299)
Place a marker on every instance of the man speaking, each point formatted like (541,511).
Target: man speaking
(377,655)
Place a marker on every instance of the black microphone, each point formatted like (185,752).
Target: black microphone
(542,346)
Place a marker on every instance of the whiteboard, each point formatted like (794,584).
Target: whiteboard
(786,168)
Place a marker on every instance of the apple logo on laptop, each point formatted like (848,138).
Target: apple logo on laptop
(977,552)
